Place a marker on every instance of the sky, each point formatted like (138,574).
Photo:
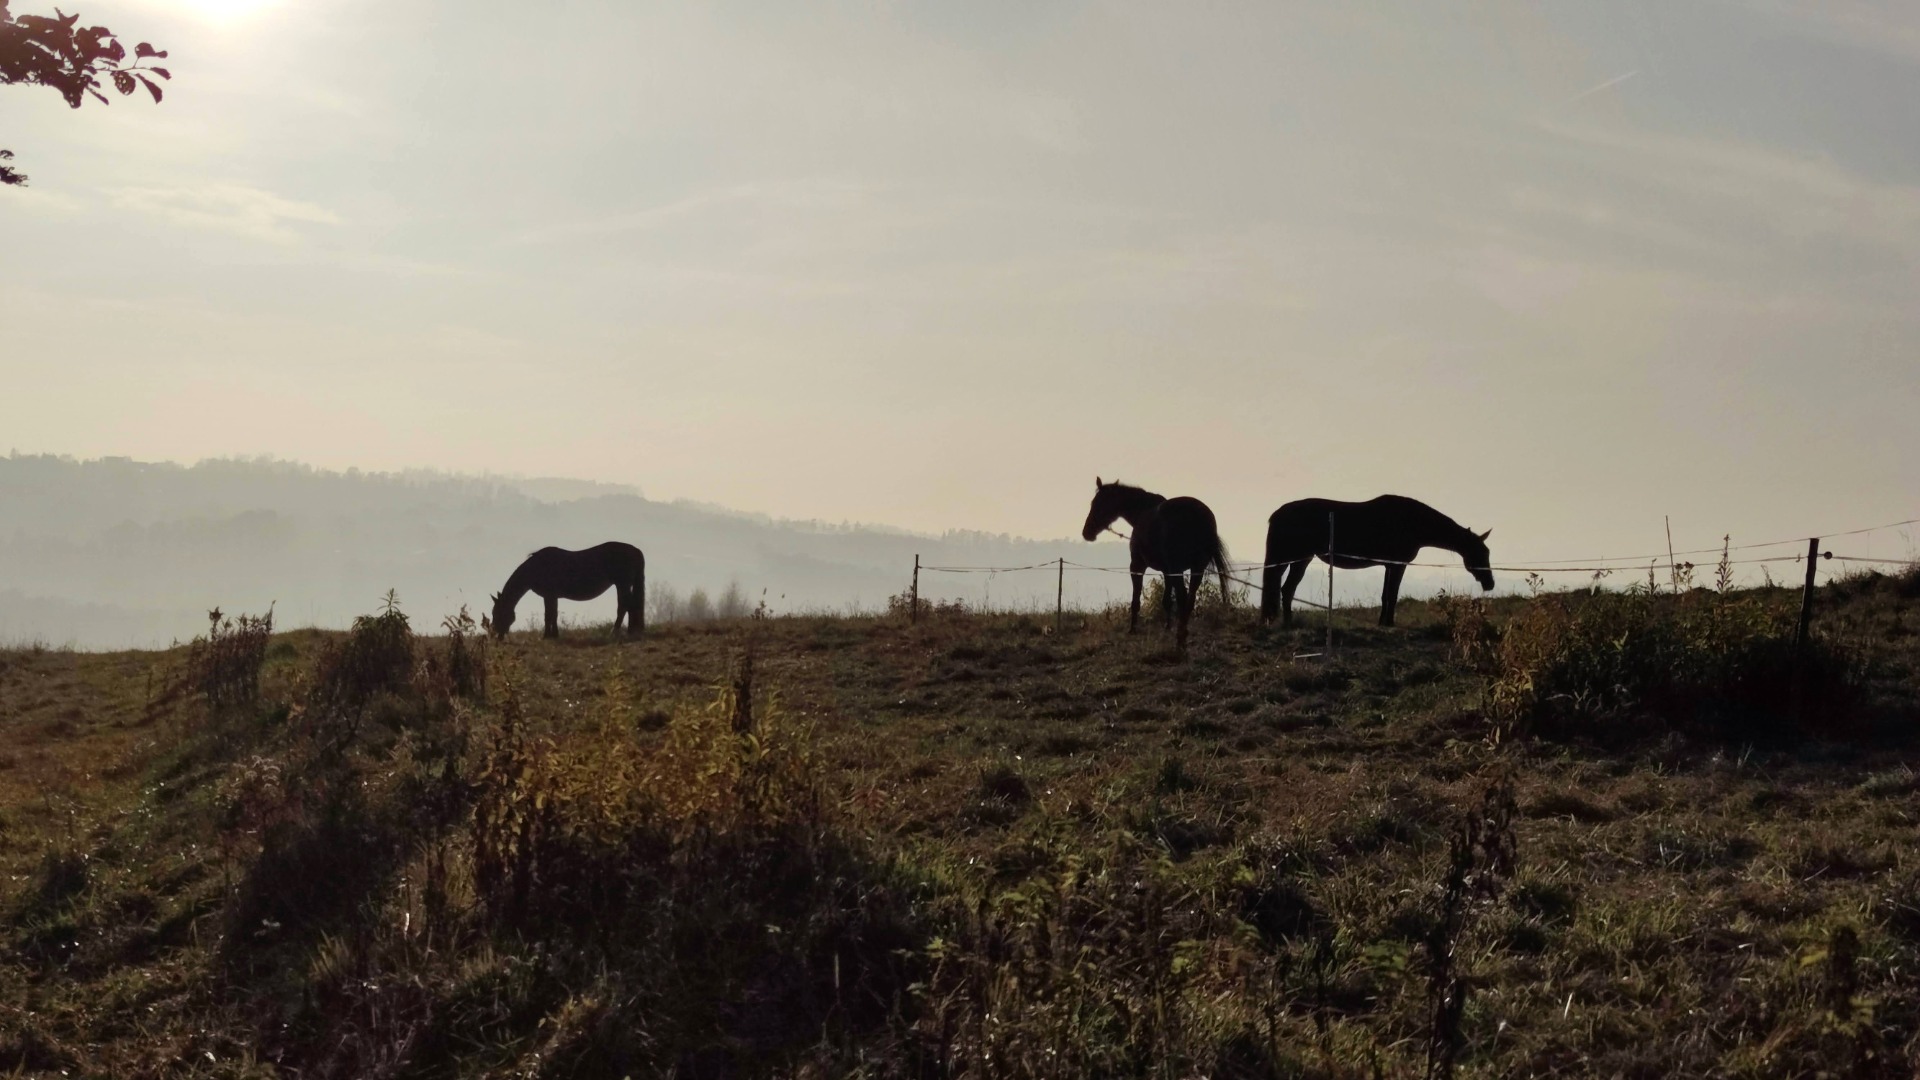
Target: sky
(1563,270)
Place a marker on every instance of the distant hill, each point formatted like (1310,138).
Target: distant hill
(115,553)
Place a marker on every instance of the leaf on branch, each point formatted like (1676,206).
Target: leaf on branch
(123,82)
(151,89)
(162,72)
(144,50)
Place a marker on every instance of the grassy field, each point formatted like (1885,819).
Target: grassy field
(1563,835)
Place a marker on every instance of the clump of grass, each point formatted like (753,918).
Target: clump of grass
(704,868)
(1891,784)
(1173,777)
(1000,796)
(1005,783)
(64,873)
(900,606)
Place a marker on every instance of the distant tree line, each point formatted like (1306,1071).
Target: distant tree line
(665,604)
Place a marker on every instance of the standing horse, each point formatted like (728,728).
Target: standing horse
(1388,531)
(1174,536)
(557,574)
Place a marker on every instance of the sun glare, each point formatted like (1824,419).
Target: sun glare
(224,11)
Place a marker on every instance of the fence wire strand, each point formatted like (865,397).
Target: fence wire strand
(1599,566)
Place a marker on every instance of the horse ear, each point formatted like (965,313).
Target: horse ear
(1483,536)
(496,598)
(1098,483)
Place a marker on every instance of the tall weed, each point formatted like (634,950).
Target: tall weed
(223,667)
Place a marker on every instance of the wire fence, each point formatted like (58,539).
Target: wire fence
(1598,566)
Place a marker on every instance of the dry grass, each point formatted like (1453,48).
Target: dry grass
(968,847)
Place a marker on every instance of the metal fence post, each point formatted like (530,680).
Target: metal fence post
(1060,595)
(1329,587)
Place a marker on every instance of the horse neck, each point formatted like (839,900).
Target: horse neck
(517,586)
(1449,535)
(1140,505)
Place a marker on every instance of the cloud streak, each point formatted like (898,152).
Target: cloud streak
(235,209)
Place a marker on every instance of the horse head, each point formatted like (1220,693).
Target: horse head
(502,617)
(1104,509)
(1479,563)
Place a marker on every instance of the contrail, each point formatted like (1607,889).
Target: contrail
(1591,90)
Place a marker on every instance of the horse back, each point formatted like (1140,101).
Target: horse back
(614,549)
(1384,527)
(611,561)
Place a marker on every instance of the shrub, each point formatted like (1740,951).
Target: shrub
(699,608)
(732,603)
(375,657)
(1577,664)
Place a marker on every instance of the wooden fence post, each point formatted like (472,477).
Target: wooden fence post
(1806,599)
(1797,686)
(1059,595)
(914,606)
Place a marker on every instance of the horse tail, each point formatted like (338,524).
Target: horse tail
(1222,565)
(1270,575)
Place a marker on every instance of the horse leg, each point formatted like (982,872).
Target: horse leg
(1189,595)
(1133,621)
(637,614)
(1170,585)
(1295,574)
(553,617)
(1390,596)
(623,607)
(1270,577)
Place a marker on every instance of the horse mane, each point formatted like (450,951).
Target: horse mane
(1442,520)
(1128,489)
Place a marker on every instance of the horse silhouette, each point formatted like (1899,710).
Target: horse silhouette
(1387,531)
(1174,536)
(557,574)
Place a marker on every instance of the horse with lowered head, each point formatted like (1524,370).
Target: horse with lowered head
(556,574)
(1175,536)
(1386,531)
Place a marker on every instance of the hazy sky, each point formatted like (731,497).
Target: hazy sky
(1559,269)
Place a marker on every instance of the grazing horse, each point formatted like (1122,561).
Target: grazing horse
(1388,531)
(1174,536)
(557,574)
